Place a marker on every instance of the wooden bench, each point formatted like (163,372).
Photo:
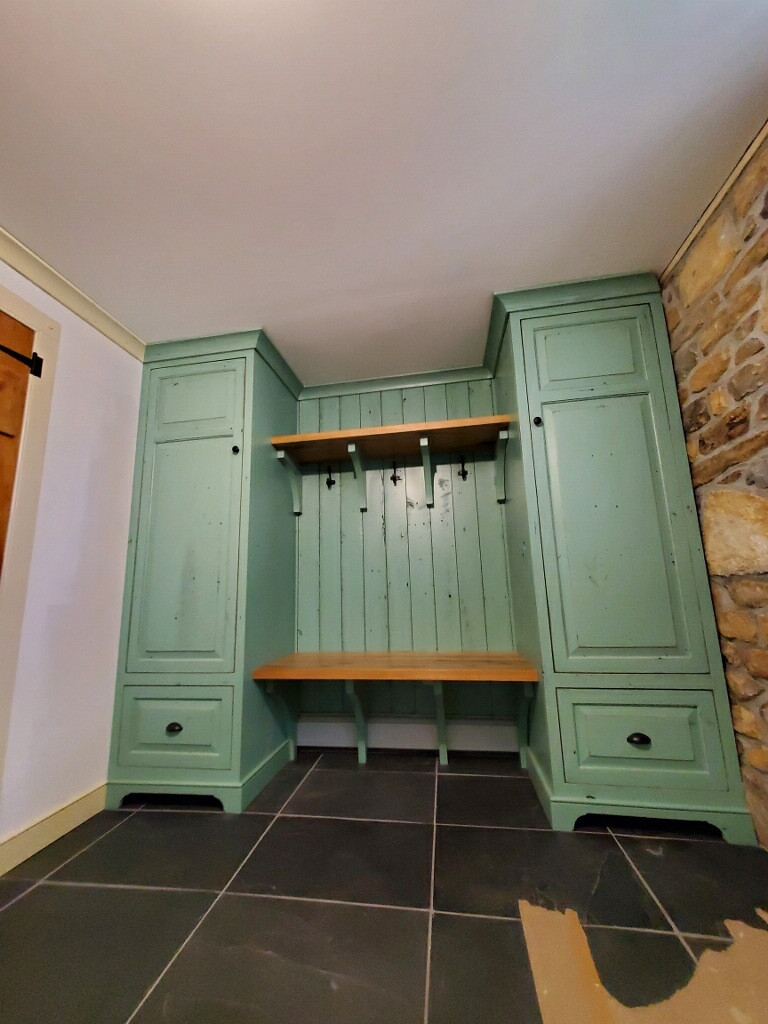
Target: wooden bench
(430,667)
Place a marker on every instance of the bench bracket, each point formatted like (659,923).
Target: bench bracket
(361,725)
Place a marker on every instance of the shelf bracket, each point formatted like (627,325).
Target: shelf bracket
(295,476)
(442,730)
(357,465)
(429,471)
(499,461)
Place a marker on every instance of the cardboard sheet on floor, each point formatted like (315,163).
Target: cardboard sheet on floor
(728,986)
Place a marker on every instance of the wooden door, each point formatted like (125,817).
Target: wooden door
(14,380)
(618,566)
(184,593)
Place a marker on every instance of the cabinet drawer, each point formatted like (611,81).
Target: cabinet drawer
(176,727)
(642,738)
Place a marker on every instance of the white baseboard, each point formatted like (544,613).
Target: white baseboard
(46,831)
(408,734)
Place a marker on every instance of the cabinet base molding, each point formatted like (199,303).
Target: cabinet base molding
(234,796)
(736,826)
(46,831)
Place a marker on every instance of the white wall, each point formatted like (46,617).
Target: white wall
(61,695)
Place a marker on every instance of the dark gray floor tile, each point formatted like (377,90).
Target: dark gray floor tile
(401,796)
(77,955)
(73,842)
(364,861)
(12,889)
(482,764)
(486,871)
(182,849)
(702,884)
(480,972)
(284,962)
(277,791)
(489,801)
(639,968)
(379,761)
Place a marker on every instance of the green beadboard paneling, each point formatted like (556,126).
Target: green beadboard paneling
(402,576)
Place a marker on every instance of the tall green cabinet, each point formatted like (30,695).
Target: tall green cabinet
(209,582)
(610,588)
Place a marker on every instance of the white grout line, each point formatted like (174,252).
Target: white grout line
(344,817)
(125,885)
(431,900)
(39,881)
(655,898)
(336,903)
(237,870)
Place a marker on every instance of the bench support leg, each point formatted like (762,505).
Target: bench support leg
(286,697)
(524,697)
(360,723)
(442,730)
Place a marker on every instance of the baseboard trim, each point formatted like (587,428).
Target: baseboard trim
(46,831)
(408,734)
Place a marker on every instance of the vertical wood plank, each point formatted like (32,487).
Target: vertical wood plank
(446,578)
(330,541)
(352,567)
(471,611)
(375,559)
(420,570)
(308,555)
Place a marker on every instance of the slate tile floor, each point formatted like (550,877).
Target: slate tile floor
(378,895)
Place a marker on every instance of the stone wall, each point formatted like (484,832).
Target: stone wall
(716,303)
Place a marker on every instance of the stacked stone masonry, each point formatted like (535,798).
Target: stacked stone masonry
(716,303)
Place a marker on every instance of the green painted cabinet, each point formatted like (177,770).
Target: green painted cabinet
(184,588)
(610,589)
(198,613)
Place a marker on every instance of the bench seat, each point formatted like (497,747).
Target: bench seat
(430,667)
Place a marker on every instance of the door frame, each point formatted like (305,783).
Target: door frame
(26,488)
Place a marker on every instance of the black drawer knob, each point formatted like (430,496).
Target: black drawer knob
(235,449)
(537,421)
(639,739)
(173,727)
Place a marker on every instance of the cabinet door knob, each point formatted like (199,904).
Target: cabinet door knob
(173,727)
(235,449)
(639,739)
(537,421)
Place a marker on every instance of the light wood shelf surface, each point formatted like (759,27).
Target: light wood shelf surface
(394,441)
(421,666)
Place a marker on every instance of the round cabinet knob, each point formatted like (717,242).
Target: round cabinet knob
(173,727)
(537,421)
(235,449)
(639,739)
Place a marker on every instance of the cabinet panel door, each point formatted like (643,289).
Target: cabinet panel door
(620,587)
(184,598)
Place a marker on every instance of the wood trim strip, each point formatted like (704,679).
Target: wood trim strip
(29,265)
(46,831)
(698,227)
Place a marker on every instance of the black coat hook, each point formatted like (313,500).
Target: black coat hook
(463,472)
(395,475)
(330,482)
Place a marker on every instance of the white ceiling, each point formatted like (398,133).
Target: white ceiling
(359,176)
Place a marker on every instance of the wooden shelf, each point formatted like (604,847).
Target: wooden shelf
(396,441)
